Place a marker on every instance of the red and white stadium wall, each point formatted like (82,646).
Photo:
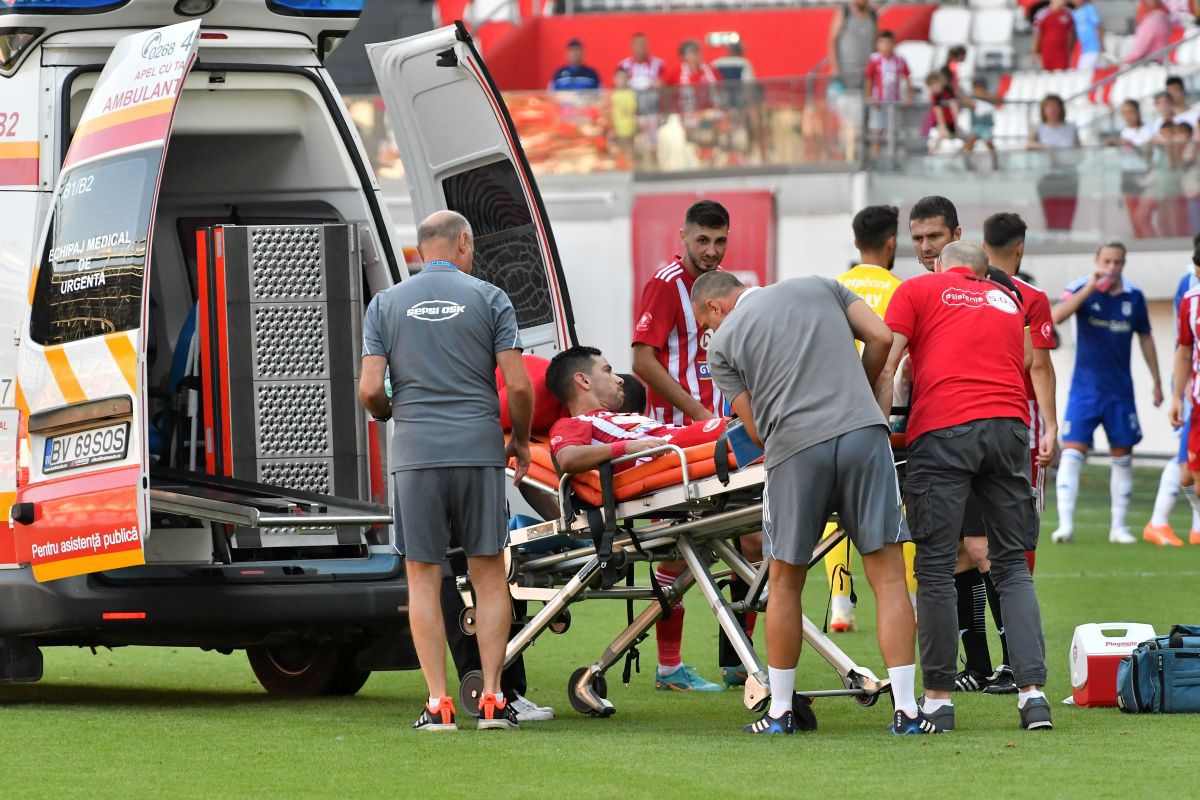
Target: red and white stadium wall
(779,42)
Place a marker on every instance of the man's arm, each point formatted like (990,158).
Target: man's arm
(1063,309)
(370,387)
(520,408)
(874,334)
(883,382)
(1146,341)
(743,408)
(835,30)
(1181,380)
(646,367)
(1041,375)
(576,458)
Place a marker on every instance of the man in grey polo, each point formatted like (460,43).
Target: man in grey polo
(786,355)
(441,335)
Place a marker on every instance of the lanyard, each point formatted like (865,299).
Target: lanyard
(441,263)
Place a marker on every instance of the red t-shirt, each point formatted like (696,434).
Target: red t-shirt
(1189,336)
(1055,29)
(1041,325)
(666,322)
(607,427)
(966,339)
(886,75)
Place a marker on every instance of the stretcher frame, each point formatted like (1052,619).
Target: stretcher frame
(696,521)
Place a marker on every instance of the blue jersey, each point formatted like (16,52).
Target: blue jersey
(1186,284)
(574,77)
(1104,327)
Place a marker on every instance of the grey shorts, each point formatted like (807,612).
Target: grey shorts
(434,507)
(852,474)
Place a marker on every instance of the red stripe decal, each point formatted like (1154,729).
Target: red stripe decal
(126,134)
(18,172)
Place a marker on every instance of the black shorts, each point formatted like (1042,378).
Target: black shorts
(972,524)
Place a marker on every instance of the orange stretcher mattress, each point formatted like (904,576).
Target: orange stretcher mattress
(642,479)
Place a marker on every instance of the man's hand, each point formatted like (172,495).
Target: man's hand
(1158,395)
(1176,412)
(642,445)
(707,415)
(518,450)
(1048,446)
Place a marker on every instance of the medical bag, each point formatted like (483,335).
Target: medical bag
(1162,676)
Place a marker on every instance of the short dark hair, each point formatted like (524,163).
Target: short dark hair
(1196,256)
(934,205)
(1004,230)
(1184,125)
(707,214)
(874,225)
(958,51)
(560,375)
(1174,80)
(885,35)
(635,395)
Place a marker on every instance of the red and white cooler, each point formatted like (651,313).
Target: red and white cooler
(1096,650)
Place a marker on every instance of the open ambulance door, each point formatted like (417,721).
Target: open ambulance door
(461,152)
(81,370)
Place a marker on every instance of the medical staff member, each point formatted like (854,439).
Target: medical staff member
(875,229)
(1108,311)
(785,355)
(441,334)
(1186,383)
(670,355)
(968,431)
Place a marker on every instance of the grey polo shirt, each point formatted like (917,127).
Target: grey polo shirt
(440,332)
(791,347)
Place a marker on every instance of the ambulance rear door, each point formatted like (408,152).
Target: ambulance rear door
(461,152)
(81,370)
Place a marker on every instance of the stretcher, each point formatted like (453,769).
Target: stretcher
(690,505)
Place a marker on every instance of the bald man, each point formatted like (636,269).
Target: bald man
(441,334)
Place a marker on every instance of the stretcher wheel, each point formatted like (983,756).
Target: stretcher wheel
(561,623)
(466,621)
(598,685)
(867,700)
(470,692)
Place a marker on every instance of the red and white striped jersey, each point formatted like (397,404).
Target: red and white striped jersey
(609,427)
(1189,336)
(665,322)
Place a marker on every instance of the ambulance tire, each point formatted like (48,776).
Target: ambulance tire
(307,671)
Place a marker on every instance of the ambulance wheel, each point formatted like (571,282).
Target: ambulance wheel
(598,685)
(561,623)
(470,692)
(466,621)
(301,670)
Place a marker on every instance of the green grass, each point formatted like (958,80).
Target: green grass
(180,723)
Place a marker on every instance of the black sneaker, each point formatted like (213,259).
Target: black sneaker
(1035,715)
(1002,682)
(766,725)
(969,681)
(942,718)
(904,725)
(495,713)
(440,720)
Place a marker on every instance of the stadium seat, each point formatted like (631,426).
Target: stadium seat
(979,4)
(1012,125)
(1138,84)
(992,33)
(1188,52)
(920,58)
(950,26)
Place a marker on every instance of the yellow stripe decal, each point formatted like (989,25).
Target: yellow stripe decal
(88,564)
(152,109)
(33,282)
(19,150)
(126,357)
(64,375)
(22,406)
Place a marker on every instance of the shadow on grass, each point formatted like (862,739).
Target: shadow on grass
(102,696)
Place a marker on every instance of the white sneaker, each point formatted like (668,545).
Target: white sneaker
(528,711)
(1062,536)
(1121,536)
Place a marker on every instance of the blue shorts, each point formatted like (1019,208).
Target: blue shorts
(1118,415)
(1183,438)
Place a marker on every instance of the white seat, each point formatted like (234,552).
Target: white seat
(992,33)
(1011,126)
(1188,52)
(1024,86)
(980,4)
(950,25)
(920,58)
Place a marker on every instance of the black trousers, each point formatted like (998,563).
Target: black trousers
(465,650)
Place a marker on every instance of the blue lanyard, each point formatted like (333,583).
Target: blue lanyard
(441,263)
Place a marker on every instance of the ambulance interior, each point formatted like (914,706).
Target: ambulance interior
(260,149)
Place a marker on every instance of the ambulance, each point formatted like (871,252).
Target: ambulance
(191,233)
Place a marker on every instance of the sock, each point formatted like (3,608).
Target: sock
(1168,491)
(972,620)
(1194,502)
(993,598)
(1067,487)
(903,679)
(433,702)
(1025,697)
(669,632)
(930,705)
(1121,487)
(783,683)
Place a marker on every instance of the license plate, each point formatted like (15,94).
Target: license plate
(85,448)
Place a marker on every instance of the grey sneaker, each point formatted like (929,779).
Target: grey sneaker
(1035,715)
(943,718)
(529,711)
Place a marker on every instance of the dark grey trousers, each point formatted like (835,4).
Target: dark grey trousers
(991,458)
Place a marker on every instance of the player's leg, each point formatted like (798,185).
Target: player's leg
(837,571)
(1078,427)
(1191,453)
(1164,501)
(972,603)
(1123,431)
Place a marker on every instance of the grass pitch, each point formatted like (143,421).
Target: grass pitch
(179,723)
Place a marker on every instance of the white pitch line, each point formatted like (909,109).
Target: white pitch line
(1056,575)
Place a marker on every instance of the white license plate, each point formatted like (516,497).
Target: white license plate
(84,448)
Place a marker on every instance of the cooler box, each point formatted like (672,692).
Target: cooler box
(1096,650)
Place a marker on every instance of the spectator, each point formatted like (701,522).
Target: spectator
(1053,36)
(1165,109)
(1179,102)
(734,66)
(644,71)
(1153,32)
(1058,188)
(954,56)
(1134,141)
(1089,32)
(623,110)
(943,111)
(851,41)
(742,96)
(884,74)
(1189,165)
(1182,11)
(983,118)
(694,78)
(574,75)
